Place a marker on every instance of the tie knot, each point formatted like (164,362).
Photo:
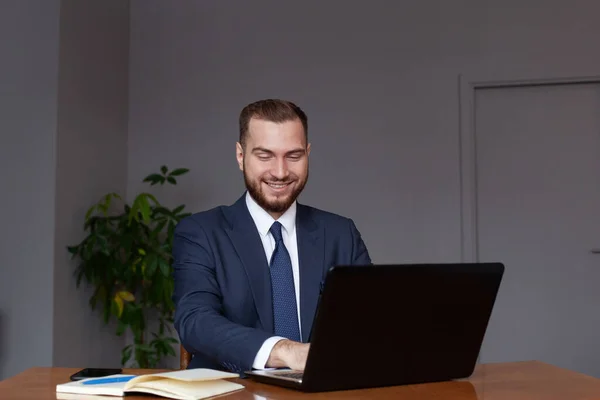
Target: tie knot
(276,231)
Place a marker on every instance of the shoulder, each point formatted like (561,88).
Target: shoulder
(321,215)
(332,222)
(204,220)
(216,217)
(207,216)
(211,220)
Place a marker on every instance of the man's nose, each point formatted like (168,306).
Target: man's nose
(280,169)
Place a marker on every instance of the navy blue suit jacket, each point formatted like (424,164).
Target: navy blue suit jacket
(222,284)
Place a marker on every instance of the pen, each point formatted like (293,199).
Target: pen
(108,380)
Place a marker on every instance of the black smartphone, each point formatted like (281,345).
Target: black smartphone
(94,373)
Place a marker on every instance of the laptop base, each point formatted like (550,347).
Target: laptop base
(269,378)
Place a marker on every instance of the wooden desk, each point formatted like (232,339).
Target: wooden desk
(506,381)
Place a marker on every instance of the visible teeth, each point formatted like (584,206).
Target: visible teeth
(277,185)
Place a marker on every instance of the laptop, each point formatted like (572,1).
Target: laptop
(387,325)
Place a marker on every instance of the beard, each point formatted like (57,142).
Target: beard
(280,204)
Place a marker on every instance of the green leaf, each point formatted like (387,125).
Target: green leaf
(151,197)
(97,294)
(121,327)
(159,346)
(161,211)
(144,347)
(126,354)
(93,301)
(170,351)
(125,295)
(164,267)
(110,310)
(171,228)
(144,208)
(133,212)
(106,204)
(107,307)
(152,264)
(89,212)
(119,305)
(179,209)
(80,274)
(181,216)
(160,226)
(179,171)
(172,180)
(172,340)
(154,179)
(163,169)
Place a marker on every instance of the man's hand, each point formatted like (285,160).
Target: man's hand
(290,354)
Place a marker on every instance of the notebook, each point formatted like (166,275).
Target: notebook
(190,384)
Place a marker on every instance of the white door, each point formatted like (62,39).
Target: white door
(538,211)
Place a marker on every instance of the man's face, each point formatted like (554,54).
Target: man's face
(274,163)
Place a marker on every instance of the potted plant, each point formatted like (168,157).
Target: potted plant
(126,257)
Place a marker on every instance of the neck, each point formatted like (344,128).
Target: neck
(275,215)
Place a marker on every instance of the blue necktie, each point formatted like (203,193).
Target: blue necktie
(285,312)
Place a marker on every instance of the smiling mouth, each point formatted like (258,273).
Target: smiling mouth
(278,186)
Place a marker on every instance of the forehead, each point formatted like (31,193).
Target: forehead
(280,134)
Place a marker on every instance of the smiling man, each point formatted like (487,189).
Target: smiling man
(248,276)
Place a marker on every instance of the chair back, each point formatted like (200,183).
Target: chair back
(184,358)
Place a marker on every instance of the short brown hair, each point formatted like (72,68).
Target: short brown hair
(273,110)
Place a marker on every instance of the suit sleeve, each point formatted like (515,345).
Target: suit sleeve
(199,318)
(360,254)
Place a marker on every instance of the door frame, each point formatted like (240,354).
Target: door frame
(467,86)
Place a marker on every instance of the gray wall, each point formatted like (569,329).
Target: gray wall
(28,103)
(63,143)
(91,161)
(379,83)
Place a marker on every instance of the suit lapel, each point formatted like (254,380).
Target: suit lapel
(311,245)
(246,240)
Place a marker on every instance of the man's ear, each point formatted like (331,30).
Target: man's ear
(308,150)
(239,155)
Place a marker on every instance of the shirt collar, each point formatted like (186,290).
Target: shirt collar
(264,220)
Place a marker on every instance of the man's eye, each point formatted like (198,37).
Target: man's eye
(264,157)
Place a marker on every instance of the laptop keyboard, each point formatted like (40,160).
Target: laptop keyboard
(293,375)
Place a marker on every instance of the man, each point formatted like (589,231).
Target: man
(248,276)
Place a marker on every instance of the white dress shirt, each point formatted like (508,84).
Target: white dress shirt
(263,222)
